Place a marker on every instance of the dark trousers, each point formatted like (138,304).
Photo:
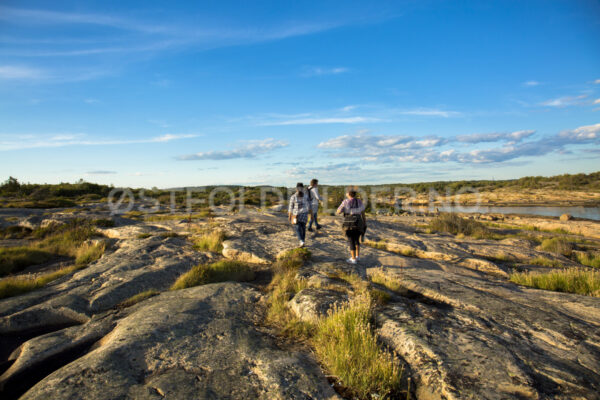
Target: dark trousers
(314,219)
(300,229)
(353,239)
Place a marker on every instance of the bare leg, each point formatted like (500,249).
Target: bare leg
(357,251)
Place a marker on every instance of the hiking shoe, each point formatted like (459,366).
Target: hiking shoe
(301,243)
(319,227)
(311,229)
(351,261)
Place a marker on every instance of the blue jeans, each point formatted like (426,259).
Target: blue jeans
(314,219)
(300,229)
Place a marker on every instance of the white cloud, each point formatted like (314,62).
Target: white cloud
(318,120)
(319,71)
(564,101)
(101,172)
(27,141)
(516,136)
(531,83)
(91,101)
(597,81)
(597,101)
(427,112)
(13,72)
(252,149)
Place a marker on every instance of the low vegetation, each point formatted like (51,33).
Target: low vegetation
(210,241)
(452,223)
(139,297)
(89,252)
(589,259)
(220,271)
(573,280)
(546,262)
(13,286)
(15,259)
(389,282)
(384,245)
(346,344)
(14,232)
(558,245)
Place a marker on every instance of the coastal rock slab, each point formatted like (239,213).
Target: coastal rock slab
(199,342)
(310,304)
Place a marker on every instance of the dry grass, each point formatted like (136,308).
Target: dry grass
(389,282)
(545,262)
(139,297)
(558,245)
(210,241)
(88,253)
(589,259)
(455,225)
(384,245)
(18,285)
(573,280)
(14,259)
(346,344)
(220,271)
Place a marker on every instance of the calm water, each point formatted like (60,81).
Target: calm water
(578,212)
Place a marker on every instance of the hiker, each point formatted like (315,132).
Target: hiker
(315,199)
(354,223)
(298,211)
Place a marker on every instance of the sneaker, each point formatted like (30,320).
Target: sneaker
(357,258)
(351,261)
(319,227)
(301,243)
(311,229)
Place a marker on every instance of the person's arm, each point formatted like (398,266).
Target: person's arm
(341,207)
(290,208)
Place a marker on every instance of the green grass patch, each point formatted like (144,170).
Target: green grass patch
(103,223)
(557,245)
(292,259)
(18,285)
(14,232)
(220,271)
(589,259)
(144,235)
(139,297)
(545,262)
(573,280)
(210,241)
(14,259)
(346,344)
(392,283)
(452,223)
(88,253)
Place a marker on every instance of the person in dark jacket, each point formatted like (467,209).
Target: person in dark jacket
(354,223)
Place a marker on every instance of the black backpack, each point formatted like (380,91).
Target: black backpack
(309,194)
(353,222)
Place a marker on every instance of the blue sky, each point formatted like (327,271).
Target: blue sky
(156,93)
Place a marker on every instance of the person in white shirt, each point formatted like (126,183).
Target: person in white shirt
(313,195)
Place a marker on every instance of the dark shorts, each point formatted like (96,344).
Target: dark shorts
(353,239)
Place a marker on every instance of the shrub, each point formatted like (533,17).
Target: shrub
(14,232)
(574,280)
(139,297)
(211,241)
(346,345)
(455,225)
(558,246)
(103,223)
(14,259)
(219,271)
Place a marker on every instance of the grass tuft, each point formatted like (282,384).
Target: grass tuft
(292,259)
(18,285)
(545,262)
(138,298)
(220,271)
(389,282)
(14,259)
(211,241)
(589,259)
(573,280)
(89,253)
(346,344)
(452,223)
(558,245)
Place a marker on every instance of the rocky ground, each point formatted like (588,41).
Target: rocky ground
(461,328)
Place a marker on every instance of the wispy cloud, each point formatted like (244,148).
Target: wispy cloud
(320,71)
(28,141)
(318,120)
(597,81)
(14,72)
(516,136)
(531,83)
(565,101)
(101,172)
(251,149)
(430,112)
